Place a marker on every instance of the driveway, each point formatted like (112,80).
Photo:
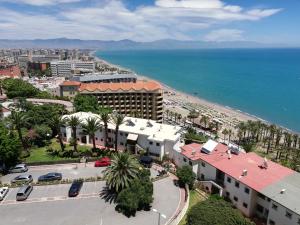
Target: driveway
(50,205)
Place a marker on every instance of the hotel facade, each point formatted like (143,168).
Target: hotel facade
(143,99)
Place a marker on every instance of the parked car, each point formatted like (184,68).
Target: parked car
(22,179)
(24,192)
(20,168)
(105,161)
(146,161)
(3,192)
(75,188)
(50,177)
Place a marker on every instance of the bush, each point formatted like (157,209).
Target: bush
(186,175)
(215,211)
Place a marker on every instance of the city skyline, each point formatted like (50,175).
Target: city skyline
(270,22)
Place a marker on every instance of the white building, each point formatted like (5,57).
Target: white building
(134,134)
(64,68)
(257,187)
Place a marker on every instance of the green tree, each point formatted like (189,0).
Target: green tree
(44,133)
(18,121)
(117,119)
(9,147)
(215,211)
(90,127)
(19,88)
(186,175)
(105,117)
(56,122)
(123,170)
(85,103)
(73,122)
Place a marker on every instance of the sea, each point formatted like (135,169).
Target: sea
(261,82)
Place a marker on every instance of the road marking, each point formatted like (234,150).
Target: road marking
(6,196)
(51,199)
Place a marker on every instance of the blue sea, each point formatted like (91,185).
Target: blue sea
(261,82)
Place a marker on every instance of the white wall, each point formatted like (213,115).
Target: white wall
(279,215)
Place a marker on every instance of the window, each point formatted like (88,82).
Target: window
(157,144)
(235,198)
(121,134)
(121,143)
(247,190)
(288,215)
(274,206)
(298,221)
(150,142)
(227,194)
(237,184)
(96,139)
(202,176)
(261,196)
(101,139)
(259,208)
(228,179)
(271,222)
(190,163)
(245,205)
(184,159)
(203,164)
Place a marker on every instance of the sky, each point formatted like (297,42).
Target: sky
(265,21)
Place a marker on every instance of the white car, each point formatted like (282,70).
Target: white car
(3,192)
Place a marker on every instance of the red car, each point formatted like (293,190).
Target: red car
(105,161)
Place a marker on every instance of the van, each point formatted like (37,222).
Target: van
(24,192)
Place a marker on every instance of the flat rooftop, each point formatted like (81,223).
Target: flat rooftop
(97,77)
(154,131)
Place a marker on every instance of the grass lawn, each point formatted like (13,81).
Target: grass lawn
(41,154)
(195,197)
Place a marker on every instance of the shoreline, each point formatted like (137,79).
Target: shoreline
(180,99)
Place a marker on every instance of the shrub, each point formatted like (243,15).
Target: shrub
(186,175)
(213,211)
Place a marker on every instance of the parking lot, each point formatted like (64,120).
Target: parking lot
(50,205)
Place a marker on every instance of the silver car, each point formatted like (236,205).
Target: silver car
(24,192)
(22,179)
(20,168)
(3,192)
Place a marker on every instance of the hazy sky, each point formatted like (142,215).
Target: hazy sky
(268,21)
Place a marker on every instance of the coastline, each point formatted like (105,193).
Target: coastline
(180,101)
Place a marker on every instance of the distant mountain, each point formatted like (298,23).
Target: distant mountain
(127,44)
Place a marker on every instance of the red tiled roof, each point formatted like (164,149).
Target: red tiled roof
(256,178)
(70,83)
(125,86)
(12,71)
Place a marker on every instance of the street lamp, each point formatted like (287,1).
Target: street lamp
(159,215)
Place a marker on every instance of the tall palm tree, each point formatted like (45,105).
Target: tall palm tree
(74,122)
(230,132)
(1,85)
(124,168)
(225,133)
(56,122)
(104,115)
(18,121)
(204,120)
(91,126)
(117,119)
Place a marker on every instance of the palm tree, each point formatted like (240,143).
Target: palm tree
(230,132)
(167,112)
(104,115)
(124,168)
(117,119)
(56,122)
(18,121)
(1,111)
(74,122)
(225,133)
(1,85)
(204,119)
(91,126)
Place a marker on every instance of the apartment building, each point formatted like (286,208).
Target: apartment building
(134,135)
(65,68)
(257,187)
(105,78)
(142,99)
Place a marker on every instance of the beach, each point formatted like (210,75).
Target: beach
(183,103)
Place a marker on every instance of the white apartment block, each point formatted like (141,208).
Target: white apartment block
(64,68)
(134,134)
(257,187)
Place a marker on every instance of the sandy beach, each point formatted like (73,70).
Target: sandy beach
(182,103)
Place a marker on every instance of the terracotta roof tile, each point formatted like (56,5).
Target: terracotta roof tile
(125,86)
(70,83)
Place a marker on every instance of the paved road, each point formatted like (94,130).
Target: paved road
(69,171)
(50,205)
